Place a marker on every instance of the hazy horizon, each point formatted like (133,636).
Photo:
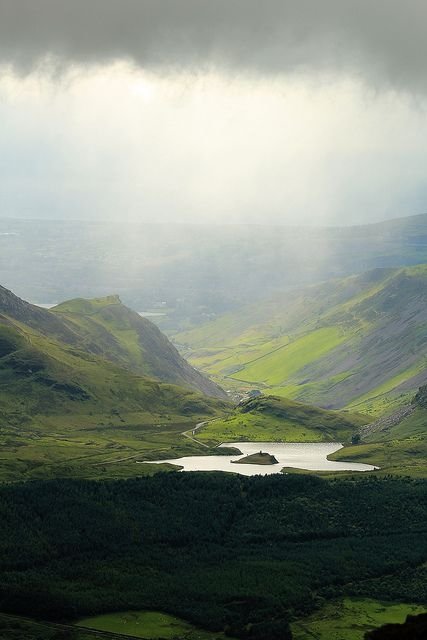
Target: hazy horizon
(206,223)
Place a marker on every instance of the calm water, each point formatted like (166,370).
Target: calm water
(311,456)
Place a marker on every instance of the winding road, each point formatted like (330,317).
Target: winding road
(186,434)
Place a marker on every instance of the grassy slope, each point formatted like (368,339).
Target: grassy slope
(65,411)
(357,342)
(108,328)
(275,419)
(150,625)
(400,447)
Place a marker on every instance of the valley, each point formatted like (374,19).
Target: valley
(213,320)
(358,343)
(99,410)
(86,391)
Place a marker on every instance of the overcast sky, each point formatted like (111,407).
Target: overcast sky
(302,111)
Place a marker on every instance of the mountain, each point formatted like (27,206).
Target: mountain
(106,328)
(358,342)
(189,274)
(67,407)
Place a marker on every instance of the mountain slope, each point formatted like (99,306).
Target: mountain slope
(105,327)
(110,329)
(64,410)
(359,342)
(47,368)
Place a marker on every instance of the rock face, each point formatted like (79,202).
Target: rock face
(257,458)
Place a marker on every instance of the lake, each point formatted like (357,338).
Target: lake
(299,455)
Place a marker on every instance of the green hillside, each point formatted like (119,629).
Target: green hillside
(397,443)
(360,342)
(65,410)
(270,418)
(108,328)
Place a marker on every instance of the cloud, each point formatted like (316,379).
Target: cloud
(384,40)
(114,144)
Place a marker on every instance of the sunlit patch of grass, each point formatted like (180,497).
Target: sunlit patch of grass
(350,619)
(149,625)
(277,367)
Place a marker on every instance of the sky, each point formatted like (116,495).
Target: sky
(213,111)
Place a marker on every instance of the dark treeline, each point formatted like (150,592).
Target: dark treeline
(226,552)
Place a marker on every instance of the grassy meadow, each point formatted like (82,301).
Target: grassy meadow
(351,618)
(149,625)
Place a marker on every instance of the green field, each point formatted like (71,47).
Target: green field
(96,447)
(277,367)
(350,619)
(149,625)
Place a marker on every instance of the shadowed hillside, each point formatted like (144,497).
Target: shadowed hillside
(414,628)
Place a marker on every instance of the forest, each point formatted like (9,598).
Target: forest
(243,555)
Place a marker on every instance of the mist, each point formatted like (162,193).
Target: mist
(229,112)
(117,143)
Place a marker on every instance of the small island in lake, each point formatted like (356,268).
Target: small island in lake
(257,458)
